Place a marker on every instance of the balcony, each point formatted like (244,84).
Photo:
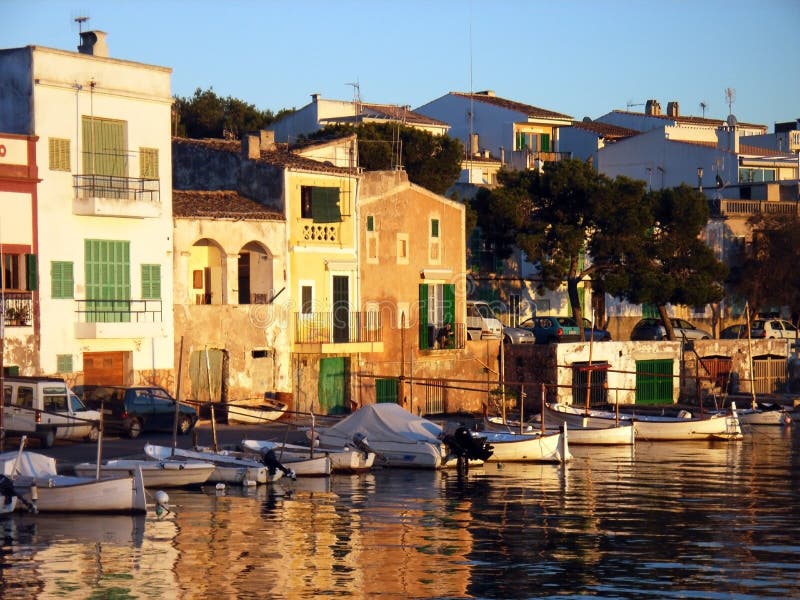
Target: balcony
(338,331)
(112,196)
(440,338)
(746,208)
(17,309)
(533,159)
(113,319)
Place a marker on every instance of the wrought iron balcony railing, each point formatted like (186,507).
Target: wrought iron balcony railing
(17,309)
(337,327)
(121,188)
(119,311)
(433,337)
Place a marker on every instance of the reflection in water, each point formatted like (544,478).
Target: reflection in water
(663,520)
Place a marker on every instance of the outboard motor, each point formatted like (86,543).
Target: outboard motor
(465,446)
(8,492)
(272,463)
(360,442)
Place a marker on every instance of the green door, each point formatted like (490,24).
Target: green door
(654,381)
(331,386)
(386,390)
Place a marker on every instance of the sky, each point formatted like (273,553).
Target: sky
(576,57)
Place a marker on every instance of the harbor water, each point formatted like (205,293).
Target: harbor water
(664,520)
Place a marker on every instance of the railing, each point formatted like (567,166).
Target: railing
(121,188)
(441,337)
(337,327)
(321,233)
(119,311)
(725,207)
(17,309)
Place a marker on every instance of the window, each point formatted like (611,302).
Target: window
(370,223)
(307,299)
(58,151)
(402,248)
(19,272)
(434,228)
(437,308)
(151,282)
(104,147)
(372,248)
(434,245)
(321,204)
(148,163)
(108,280)
(62,282)
(64,363)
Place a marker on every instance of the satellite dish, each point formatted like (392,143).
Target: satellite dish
(731,121)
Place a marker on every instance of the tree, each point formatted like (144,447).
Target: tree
(672,265)
(206,115)
(765,271)
(431,161)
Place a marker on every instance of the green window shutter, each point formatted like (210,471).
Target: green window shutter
(449,301)
(325,205)
(424,342)
(386,390)
(151,282)
(107,273)
(544,142)
(434,228)
(370,223)
(64,363)
(31,272)
(62,283)
(103,147)
(148,163)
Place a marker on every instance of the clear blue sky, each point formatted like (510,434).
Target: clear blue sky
(578,57)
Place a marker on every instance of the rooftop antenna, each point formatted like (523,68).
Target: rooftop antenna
(730,98)
(631,104)
(356,95)
(703,106)
(80,21)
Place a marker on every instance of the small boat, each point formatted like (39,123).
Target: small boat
(528,447)
(622,434)
(36,479)
(343,460)
(157,474)
(227,468)
(654,428)
(261,413)
(397,437)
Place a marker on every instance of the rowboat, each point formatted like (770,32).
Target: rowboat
(227,469)
(157,474)
(528,447)
(343,460)
(684,427)
(261,413)
(37,481)
(622,434)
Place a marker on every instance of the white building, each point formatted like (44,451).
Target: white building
(101,253)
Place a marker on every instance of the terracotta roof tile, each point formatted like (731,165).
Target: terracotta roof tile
(223,204)
(688,119)
(530,111)
(610,132)
(281,156)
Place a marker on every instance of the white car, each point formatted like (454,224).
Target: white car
(773,328)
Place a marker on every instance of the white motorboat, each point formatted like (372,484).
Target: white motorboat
(260,413)
(398,438)
(36,479)
(157,474)
(227,468)
(683,427)
(343,460)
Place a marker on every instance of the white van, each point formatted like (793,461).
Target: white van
(482,323)
(45,408)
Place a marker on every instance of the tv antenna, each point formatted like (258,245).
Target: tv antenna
(631,104)
(80,21)
(730,98)
(356,92)
(703,106)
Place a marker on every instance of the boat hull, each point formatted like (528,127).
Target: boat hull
(227,469)
(157,474)
(264,413)
(346,460)
(513,447)
(84,495)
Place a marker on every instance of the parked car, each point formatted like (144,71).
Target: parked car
(734,332)
(773,328)
(595,334)
(131,410)
(518,335)
(548,330)
(653,329)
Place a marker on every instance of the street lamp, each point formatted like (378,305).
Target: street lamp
(700,178)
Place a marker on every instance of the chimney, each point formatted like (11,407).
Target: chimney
(267,139)
(489,93)
(652,108)
(251,148)
(672,109)
(93,43)
(314,98)
(473,144)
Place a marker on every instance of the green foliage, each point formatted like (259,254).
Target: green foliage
(206,115)
(766,271)
(433,162)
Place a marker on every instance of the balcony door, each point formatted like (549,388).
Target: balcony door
(104,147)
(341,309)
(108,281)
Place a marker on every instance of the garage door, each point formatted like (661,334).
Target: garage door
(104,368)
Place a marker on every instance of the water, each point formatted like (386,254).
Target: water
(672,520)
